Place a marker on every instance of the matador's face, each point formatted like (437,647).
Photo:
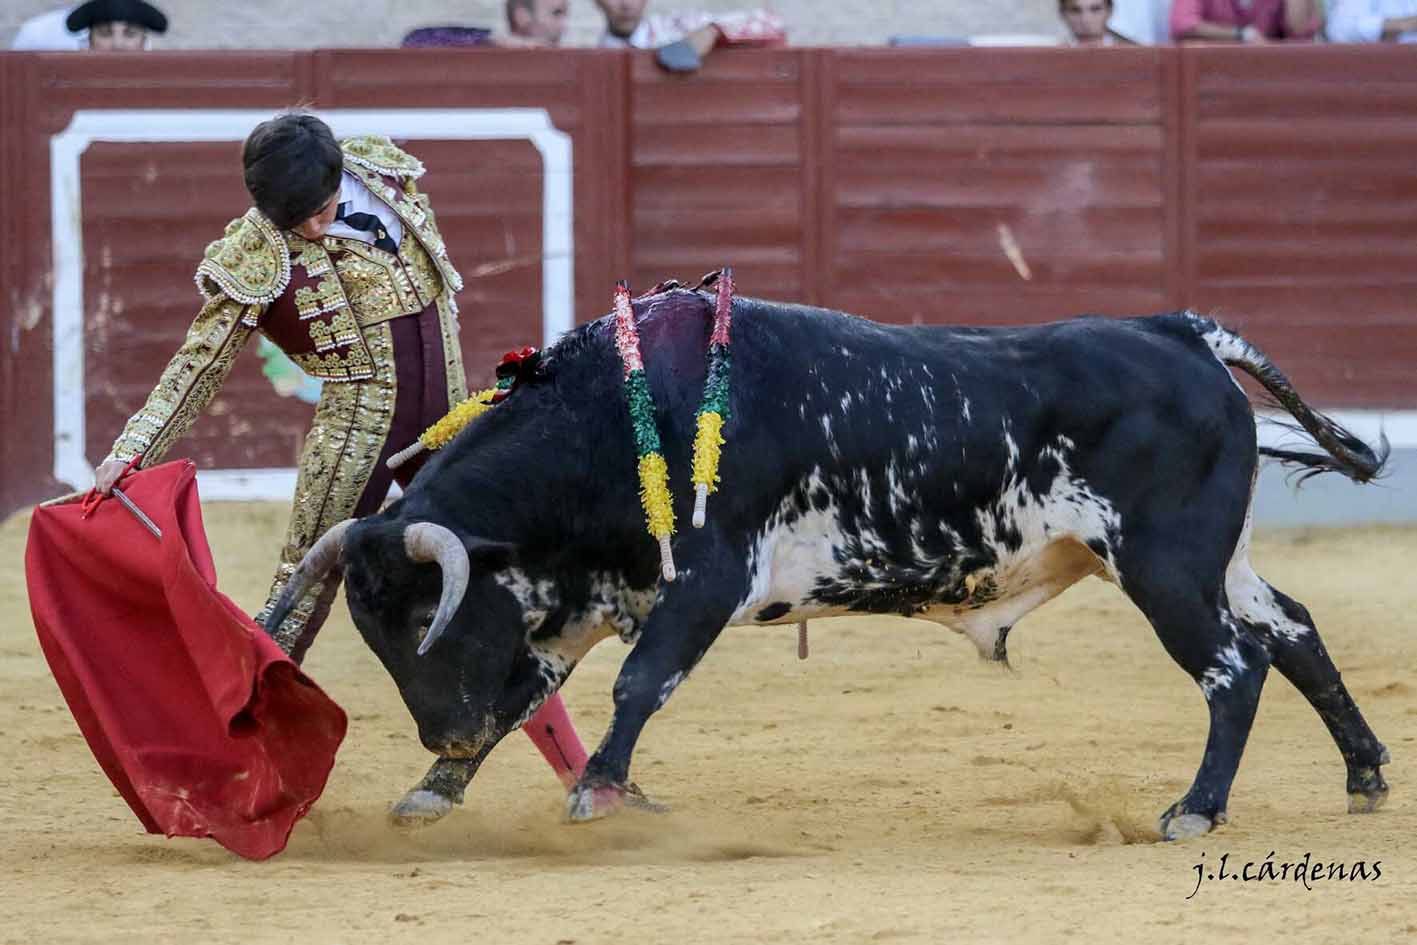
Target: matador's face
(315,227)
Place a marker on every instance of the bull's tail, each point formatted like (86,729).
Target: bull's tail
(1343,451)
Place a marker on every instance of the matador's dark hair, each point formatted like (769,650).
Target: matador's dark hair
(292,166)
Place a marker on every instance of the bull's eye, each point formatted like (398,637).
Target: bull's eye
(421,628)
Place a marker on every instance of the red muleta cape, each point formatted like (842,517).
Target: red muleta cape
(200,721)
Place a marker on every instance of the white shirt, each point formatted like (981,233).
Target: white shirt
(48,32)
(1142,21)
(656,29)
(1361,21)
(737,26)
(360,200)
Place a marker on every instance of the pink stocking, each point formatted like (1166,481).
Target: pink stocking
(554,735)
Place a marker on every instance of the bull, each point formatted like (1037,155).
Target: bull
(958,475)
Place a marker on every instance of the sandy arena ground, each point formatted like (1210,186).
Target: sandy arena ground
(892,788)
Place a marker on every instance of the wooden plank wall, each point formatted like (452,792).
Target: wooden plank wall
(1009,188)
(716,172)
(10,236)
(1269,187)
(150,209)
(148,213)
(1302,207)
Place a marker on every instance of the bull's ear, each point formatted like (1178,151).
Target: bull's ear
(491,555)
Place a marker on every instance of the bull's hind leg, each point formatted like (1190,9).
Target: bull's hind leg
(1187,610)
(1286,628)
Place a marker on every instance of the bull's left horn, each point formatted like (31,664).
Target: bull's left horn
(318,561)
(425,541)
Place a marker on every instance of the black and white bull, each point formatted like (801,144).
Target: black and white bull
(959,475)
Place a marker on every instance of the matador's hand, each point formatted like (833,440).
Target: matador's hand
(106,475)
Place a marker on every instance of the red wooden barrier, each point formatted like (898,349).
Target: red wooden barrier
(1271,187)
(1300,200)
(1013,187)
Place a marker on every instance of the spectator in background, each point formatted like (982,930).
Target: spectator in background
(100,25)
(1087,25)
(530,24)
(1244,21)
(1372,21)
(117,25)
(682,39)
(538,22)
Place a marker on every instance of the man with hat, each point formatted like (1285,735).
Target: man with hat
(531,24)
(100,25)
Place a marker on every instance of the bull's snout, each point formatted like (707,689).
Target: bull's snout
(459,738)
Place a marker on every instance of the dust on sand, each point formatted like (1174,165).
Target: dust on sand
(891,788)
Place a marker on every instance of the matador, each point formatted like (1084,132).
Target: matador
(339,263)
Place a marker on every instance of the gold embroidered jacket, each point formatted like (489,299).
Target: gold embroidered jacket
(317,301)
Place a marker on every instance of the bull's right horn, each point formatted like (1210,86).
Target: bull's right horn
(318,561)
(425,541)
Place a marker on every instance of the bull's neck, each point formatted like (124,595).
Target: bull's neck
(543,473)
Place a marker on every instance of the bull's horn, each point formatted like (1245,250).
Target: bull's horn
(425,541)
(318,562)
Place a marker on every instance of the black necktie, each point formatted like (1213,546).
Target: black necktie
(369,224)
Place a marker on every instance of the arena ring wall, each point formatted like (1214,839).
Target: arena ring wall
(1270,188)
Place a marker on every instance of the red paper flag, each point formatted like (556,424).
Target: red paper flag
(200,721)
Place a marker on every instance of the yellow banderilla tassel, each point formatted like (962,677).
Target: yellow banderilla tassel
(706,443)
(654,493)
(659,510)
(441,433)
(707,440)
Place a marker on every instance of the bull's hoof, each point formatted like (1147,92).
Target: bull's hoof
(419,808)
(1366,789)
(592,800)
(1365,803)
(1178,824)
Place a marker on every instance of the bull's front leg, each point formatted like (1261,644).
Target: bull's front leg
(550,730)
(687,618)
(433,797)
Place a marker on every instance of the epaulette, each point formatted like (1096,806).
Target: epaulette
(382,156)
(250,263)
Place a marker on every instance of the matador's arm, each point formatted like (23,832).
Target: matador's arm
(189,382)
(240,275)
